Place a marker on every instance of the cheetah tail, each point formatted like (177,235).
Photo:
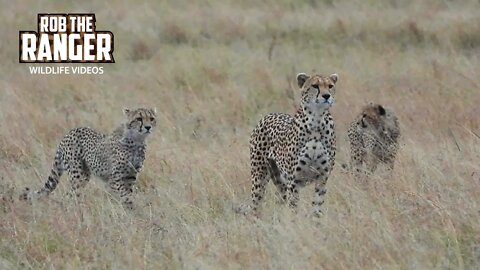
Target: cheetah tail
(52,181)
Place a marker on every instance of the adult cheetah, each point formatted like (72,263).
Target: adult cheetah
(294,151)
(373,137)
(115,158)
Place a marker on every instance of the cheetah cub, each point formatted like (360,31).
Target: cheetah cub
(373,137)
(294,151)
(115,158)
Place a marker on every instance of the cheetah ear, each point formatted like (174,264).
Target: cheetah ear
(363,121)
(301,79)
(334,77)
(154,110)
(126,111)
(381,110)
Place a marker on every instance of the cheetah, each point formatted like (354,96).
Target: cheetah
(294,151)
(373,137)
(115,158)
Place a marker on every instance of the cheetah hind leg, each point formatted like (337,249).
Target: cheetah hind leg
(259,181)
(278,181)
(79,176)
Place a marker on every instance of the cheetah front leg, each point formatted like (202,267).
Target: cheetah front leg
(121,183)
(390,163)
(313,165)
(123,188)
(360,150)
(357,154)
(356,163)
(371,163)
(389,160)
(319,196)
(322,170)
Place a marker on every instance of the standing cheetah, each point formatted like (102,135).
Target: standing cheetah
(116,158)
(294,151)
(373,138)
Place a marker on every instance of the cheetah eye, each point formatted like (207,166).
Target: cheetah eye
(152,119)
(139,119)
(316,86)
(330,86)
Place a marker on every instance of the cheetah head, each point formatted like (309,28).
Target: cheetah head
(318,92)
(140,122)
(381,120)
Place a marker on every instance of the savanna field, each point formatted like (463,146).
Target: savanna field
(213,70)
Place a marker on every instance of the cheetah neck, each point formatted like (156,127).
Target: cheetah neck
(127,137)
(312,124)
(132,141)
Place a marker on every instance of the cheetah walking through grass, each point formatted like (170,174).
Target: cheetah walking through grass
(115,158)
(294,151)
(373,137)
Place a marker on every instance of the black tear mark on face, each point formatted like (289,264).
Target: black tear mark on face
(381,110)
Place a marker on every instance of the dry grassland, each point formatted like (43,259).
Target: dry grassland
(213,69)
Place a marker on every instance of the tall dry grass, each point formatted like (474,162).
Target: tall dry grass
(213,69)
